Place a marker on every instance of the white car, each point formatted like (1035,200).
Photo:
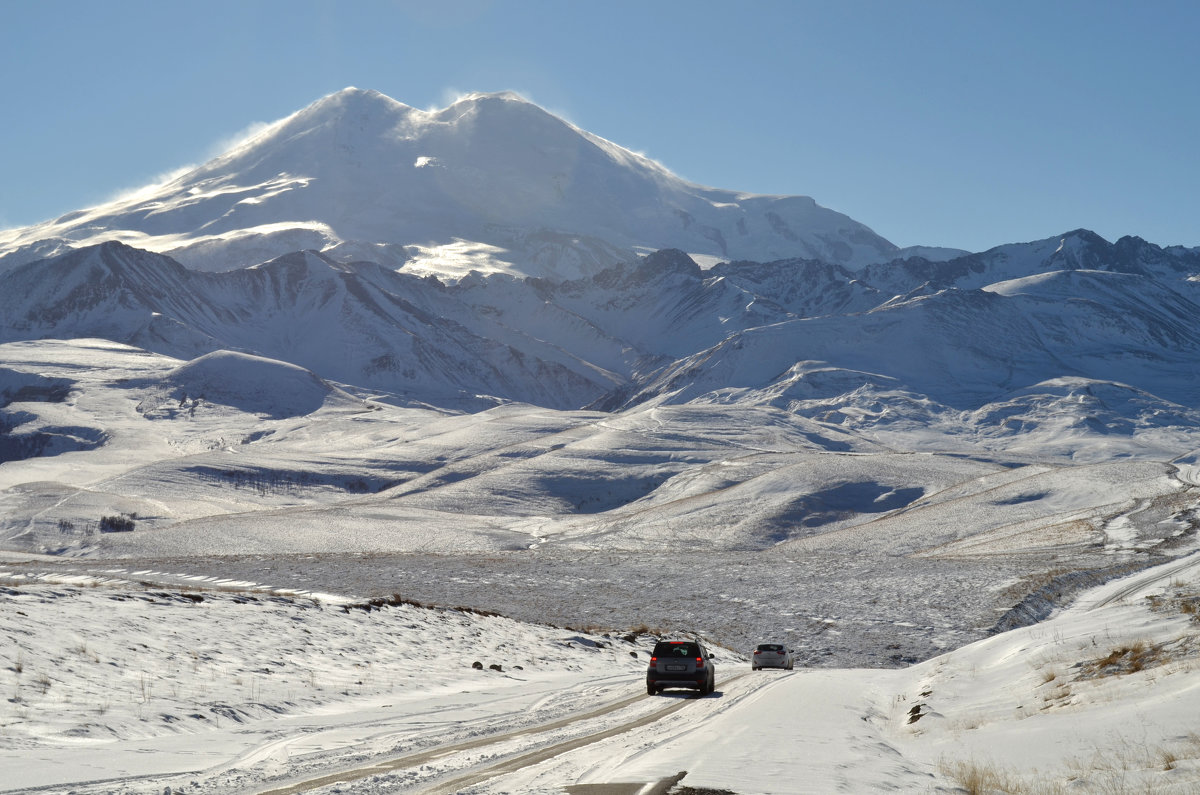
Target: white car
(771,655)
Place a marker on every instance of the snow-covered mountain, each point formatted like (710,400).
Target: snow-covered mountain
(488,252)
(423,357)
(490,182)
(964,348)
(360,324)
(801,334)
(638,379)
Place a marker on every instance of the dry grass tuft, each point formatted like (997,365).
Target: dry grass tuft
(395,600)
(976,778)
(590,629)
(1126,659)
(1182,599)
(1128,768)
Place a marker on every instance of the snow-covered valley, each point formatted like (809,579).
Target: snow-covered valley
(875,555)
(290,443)
(185,557)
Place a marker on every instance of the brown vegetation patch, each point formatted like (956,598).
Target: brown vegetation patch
(1126,659)
(1180,600)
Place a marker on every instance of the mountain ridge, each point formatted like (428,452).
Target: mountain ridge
(501,302)
(357,169)
(962,333)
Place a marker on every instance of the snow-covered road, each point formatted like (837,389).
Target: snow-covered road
(749,735)
(116,689)
(451,756)
(769,731)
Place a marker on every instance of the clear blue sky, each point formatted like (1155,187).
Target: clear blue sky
(940,122)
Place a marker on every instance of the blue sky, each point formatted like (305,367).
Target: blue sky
(938,122)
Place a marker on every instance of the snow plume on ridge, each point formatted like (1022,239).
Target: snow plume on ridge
(149,188)
(243,137)
(508,172)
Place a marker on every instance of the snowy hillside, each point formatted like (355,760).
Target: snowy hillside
(228,687)
(965,349)
(907,533)
(200,558)
(479,358)
(802,335)
(492,180)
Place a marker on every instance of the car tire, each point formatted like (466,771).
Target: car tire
(651,690)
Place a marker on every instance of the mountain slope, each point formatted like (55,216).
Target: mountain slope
(349,323)
(357,171)
(786,333)
(964,348)
(1080,249)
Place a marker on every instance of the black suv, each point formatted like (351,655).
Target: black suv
(680,663)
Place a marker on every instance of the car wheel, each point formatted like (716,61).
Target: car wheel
(651,690)
(753,667)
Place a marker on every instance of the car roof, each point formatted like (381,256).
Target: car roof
(662,643)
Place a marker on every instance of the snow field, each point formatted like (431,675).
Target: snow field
(98,676)
(862,555)
(1101,698)
(223,691)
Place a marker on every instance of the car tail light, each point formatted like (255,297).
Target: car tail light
(699,663)
(653,660)
(758,651)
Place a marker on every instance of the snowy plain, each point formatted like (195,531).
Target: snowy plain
(269,529)
(284,608)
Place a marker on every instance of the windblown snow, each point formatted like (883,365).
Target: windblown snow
(358,170)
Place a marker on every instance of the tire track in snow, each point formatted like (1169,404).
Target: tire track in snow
(506,765)
(1154,576)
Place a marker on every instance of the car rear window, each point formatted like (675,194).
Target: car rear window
(680,649)
(770,647)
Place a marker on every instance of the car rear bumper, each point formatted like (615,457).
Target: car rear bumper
(698,681)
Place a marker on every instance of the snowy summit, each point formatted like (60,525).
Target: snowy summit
(492,180)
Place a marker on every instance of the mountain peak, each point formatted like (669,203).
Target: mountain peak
(352,98)
(1085,236)
(502,96)
(502,115)
(353,102)
(350,104)
(356,169)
